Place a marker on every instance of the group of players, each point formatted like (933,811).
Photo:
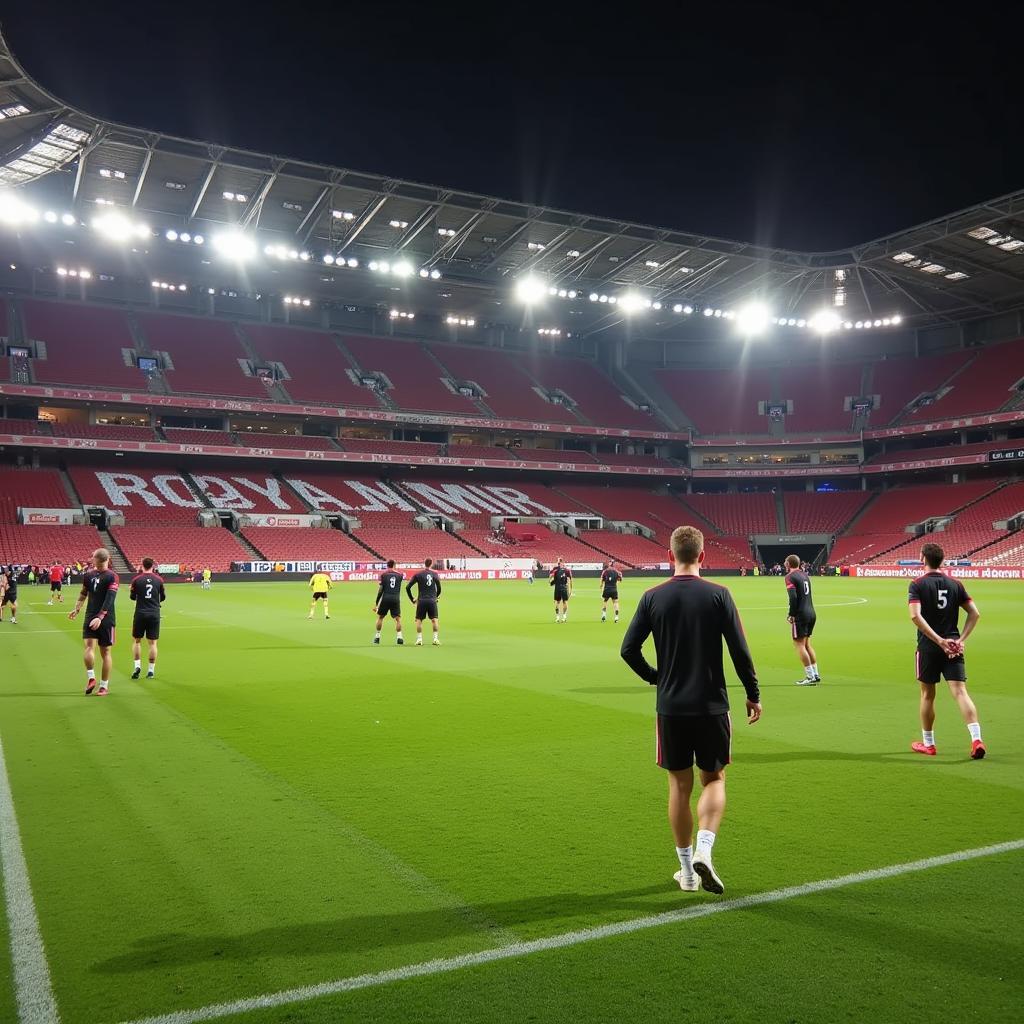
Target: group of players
(9,589)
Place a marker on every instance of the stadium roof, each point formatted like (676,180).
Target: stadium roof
(966,265)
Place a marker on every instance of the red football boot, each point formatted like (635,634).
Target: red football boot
(978,750)
(923,748)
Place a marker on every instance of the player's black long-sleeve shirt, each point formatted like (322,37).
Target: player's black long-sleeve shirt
(689,617)
(798,587)
(100,587)
(147,591)
(428,584)
(390,586)
(941,597)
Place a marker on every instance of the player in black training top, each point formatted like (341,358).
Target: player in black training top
(147,591)
(99,588)
(689,618)
(389,601)
(935,602)
(610,590)
(9,592)
(560,578)
(427,595)
(802,618)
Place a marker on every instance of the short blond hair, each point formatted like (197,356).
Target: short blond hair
(687,543)
(102,554)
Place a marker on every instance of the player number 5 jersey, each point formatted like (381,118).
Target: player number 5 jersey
(941,597)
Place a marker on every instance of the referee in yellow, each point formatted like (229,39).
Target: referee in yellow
(320,583)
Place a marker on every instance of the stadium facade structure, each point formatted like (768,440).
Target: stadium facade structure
(164,359)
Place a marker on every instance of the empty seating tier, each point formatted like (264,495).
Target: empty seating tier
(47,545)
(191,547)
(818,392)
(382,446)
(899,381)
(722,401)
(283,544)
(736,514)
(30,488)
(299,442)
(822,513)
(146,497)
(191,435)
(104,431)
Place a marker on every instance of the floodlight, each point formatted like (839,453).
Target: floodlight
(530,290)
(67,219)
(677,308)
(752,319)
(117,227)
(631,302)
(171,235)
(657,305)
(329,260)
(424,272)
(15,211)
(593,296)
(198,239)
(687,310)
(352,262)
(435,275)
(825,321)
(403,268)
(185,236)
(50,217)
(709,312)
(897,320)
(603,298)
(233,245)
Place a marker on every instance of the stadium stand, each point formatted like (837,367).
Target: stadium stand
(631,549)
(479,451)
(190,435)
(190,548)
(381,446)
(822,513)
(625,459)
(9,425)
(244,491)
(299,442)
(986,385)
(817,391)
(899,381)
(5,332)
(727,552)
(736,515)
(317,369)
(942,451)
(277,543)
(720,401)
(30,488)
(205,354)
(103,431)
(509,392)
(85,345)
(661,513)
(47,545)
(564,456)
(416,378)
(597,398)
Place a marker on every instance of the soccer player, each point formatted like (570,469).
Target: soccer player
(560,578)
(9,592)
(207,578)
(56,583)
(935,603)
(320,583)
(802,618)
(99,588)
(610,590)
(147,591)
(428,593)
(689,618)
(389,602)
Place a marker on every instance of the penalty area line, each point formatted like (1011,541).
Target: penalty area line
(33,988)
(565,940)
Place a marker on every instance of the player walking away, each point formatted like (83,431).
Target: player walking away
(99,588)
(802,618)
(935,603)
(207,577)
(610,590)
(389,602)
(560,578)
(320,583)
(147,591)
(427,595)
(689,618)
(56,584)
(9,592)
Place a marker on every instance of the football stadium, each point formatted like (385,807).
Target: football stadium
(269,390)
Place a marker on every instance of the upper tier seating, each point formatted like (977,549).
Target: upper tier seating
(299,442)
(817,391)
(5,331)
(596,397)
(147,497)
(317,368)
(736,514)
(205,354)
(47,545)
(899,381)
(30,488)
(479,451)
(984,386)
(86,346)
(195,435)
(822,513)
(720,401)
(382,446)
(278,543)
(625,459)
(104,431)
(563,456)
(509,391)
(941,452)
(192,547)
(16,426)
(416,379)
(662,513)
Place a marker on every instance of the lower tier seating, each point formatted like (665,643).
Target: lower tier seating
(47,545)
(192,547)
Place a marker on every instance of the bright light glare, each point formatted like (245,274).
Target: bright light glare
(825,321)
(117,227)
(752,319)
(403,268)
(630,302)
(14,210)
(233,245)
(530,290)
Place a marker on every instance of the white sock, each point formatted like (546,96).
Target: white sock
(90,674)
(436,634)
(376,636)
(152,668)
(928,736)
(705,841)
(138,663)
(398,635)
(685,855)
(814,669)
(974,728)
(809,671)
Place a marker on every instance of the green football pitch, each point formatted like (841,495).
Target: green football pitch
(287,806)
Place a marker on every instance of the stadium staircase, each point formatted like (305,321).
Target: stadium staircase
(251,548)
(382,396)
(483,408)
(631,385)
(155,382)
(780,513)
(118,561)
(907,411)
(69,488)
(275,392)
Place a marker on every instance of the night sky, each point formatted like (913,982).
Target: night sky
(804,127)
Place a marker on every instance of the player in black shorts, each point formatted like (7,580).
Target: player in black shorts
(935,602)
(610,579)
(99,588)
(9,592)
(560,578)
(147,591)
(427,595)
(802,618)
(689,618)
(389,601)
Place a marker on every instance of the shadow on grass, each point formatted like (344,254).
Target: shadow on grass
(362,933)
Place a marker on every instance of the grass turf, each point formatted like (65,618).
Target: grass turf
(286,804)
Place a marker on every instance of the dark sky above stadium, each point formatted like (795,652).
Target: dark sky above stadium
(805,127)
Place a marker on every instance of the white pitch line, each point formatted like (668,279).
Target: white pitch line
(32,986)
(565,940)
